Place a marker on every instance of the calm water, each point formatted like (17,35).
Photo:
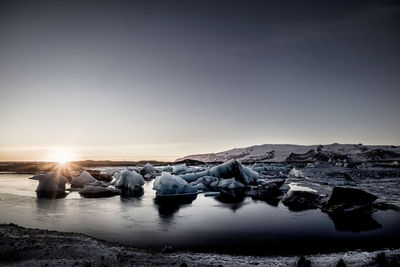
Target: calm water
(207,224)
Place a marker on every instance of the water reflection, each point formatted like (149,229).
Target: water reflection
(354,222)
(51,195)
(274,202)
(128,194)
(49,210)
(168,206)
(232,199)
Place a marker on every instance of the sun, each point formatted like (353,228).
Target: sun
(61,156)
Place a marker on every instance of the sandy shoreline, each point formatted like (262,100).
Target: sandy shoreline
(32,247)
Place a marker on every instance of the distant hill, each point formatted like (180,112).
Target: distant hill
(300,153)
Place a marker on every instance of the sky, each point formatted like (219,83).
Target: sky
(136,80)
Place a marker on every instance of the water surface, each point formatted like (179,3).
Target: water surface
(212,224)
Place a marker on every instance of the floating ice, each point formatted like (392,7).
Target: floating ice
(168,168)
(95,191)
(229,169)
(180,168)
(200,186)
(168,184)
(230,184)
(296,173)
(51,185)
(134,169)
(130,180)
(148,171)
(82,179)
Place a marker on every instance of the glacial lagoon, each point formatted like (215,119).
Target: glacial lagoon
(209,223)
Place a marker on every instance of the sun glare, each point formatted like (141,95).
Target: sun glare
(61,156)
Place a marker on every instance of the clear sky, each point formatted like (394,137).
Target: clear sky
(162,79)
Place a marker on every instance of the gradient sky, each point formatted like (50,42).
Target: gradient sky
(162,79)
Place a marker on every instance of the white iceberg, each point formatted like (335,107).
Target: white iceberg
(130,180)
(168,184)
(83,179)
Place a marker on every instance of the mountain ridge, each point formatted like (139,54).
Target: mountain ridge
(301,153)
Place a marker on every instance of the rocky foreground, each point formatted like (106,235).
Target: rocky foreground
(31,247)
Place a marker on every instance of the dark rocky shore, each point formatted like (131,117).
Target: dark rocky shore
(32,247)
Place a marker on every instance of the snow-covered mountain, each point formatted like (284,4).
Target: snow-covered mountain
(300,153)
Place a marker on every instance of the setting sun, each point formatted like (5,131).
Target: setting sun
(61,156)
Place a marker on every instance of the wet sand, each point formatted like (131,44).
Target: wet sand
(32,247)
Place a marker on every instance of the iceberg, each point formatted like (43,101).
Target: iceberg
(207,180)
(200,187)
(301,200)
(191,177)
(94,191)
(168,184)
(83,179)
(148,171)
(180,168)
(230,184)
(168,168)
(229,169)
(130,180)
(51,185)
(296,173)
(134,169)
(234,169)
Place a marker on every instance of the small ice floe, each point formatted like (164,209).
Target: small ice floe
(134,169)
(148,171)
(203,182)
(98,191)
(51,185)
(83,179)
(349,200)
(296,173)
(297,187)
(269,191)
(302,200)
(180,168)
(168,184)
(168,168)
(310,165)
(200,187)
(230,184)
(212,194)
(130,180)
(351,208)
